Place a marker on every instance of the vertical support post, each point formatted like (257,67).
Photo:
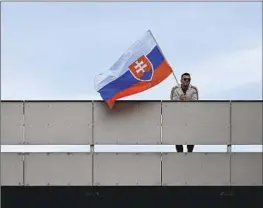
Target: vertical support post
(92,144)
(229,147)
(161,141)
(23,143)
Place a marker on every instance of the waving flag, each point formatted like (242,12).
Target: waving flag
(141,67)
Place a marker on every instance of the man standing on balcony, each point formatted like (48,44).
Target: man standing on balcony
(184,92)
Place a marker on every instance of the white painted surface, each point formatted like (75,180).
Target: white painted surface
(58,123)
(246,169)
(11,123)
(11,169)
(58,169)
(202,169)
(127,123)
(247,123)
(204,123)
(111,169)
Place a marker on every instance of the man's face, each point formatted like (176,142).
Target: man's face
(186,79)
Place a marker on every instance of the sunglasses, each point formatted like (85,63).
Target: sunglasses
(187,79)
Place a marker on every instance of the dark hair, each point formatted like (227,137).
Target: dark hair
(185,74)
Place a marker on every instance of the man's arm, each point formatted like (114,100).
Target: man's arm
(174,95)
(195,95)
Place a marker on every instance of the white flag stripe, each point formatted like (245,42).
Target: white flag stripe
(141,47)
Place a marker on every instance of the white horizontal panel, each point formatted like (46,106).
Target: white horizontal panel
(58,169)
(246,169)
(127,123)
(203,169)
(202,123)
(11,123)
(246,148)
(157,148)
(246,121)
(57,123)
(120,169)
(45,148)
(11,169)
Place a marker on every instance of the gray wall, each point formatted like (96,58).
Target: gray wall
(145,123)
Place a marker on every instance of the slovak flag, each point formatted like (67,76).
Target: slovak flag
(141,67)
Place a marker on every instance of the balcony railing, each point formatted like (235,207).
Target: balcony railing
(91,124)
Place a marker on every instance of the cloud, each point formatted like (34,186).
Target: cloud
(227,71)
(63,67)
(19,80)
(248,91)
(22,79)
(86,96)
(214,74)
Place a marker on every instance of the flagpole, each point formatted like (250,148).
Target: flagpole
(163,55)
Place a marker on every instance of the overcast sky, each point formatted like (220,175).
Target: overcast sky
(54,50)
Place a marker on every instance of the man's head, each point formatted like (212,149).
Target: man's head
(185,79)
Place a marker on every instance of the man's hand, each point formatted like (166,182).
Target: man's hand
(183,98)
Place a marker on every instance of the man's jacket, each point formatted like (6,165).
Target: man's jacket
(191,93)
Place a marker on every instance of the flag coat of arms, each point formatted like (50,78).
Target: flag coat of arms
(140,68)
